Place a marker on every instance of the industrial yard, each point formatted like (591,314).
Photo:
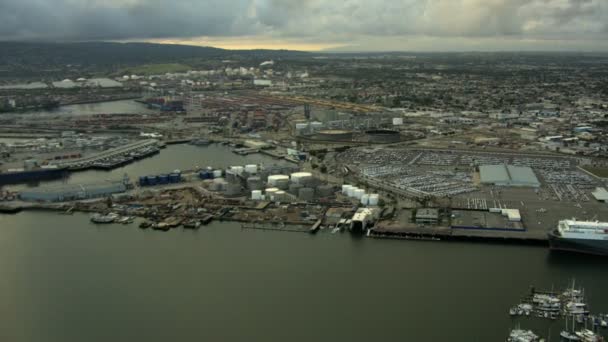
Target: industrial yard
(417,172)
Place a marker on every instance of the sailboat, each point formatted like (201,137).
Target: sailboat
(567,334)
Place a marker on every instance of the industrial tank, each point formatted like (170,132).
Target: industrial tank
(383,136)
(300,177)
(257,195)
(255,183)
(273,179)
(306,194)
(333,135)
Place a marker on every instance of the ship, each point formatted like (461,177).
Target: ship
(45,172)
(590,237)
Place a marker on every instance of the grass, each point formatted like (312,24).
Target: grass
(601,172)
(155,69)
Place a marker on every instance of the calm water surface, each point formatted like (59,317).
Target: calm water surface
(112,107)
(65,279)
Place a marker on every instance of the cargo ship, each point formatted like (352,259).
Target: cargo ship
(45,172)
(590,237)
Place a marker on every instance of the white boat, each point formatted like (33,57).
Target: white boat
(587,335)
(568,336)
(99,218)
(520,335)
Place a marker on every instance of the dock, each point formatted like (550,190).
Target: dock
(113,157)
(460,234)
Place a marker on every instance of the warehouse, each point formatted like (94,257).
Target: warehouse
(508,175)
(72,192)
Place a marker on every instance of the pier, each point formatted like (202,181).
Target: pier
(113,157)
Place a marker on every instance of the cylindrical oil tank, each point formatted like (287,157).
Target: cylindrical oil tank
(152,180)
(306,194)
(251,169)
(397,121)
(270,192)
(279,196)
(175,177)
(218,184)
(237,169)
(333,135)
(282,184)
(272,180)
(325,191)
(359,193)
(351,191)
(374,199)
(298,177)
(294,189)
(257,195)
(383,136)
(231,176)
(217,173)
(255,183)
(365,199)
(232,189)
(345,188)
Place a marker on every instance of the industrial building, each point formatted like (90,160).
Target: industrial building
(600,194)
(427,216)
(72,192)
(508,175)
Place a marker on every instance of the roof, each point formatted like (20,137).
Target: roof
(508,175)
(427,213)
(600,194)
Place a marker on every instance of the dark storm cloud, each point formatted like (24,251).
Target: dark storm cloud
(336,20)
(71,19)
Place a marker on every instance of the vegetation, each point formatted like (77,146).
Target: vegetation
(598,171)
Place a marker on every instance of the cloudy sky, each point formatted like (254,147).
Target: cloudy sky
(348,25)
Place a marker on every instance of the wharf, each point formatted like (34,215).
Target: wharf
(144,147)
(460,234)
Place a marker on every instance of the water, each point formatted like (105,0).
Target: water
(182,157)
(111,107)
(65,279)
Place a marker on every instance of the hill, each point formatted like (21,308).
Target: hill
(28,58)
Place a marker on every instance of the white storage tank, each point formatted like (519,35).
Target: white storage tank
(397,121)
(365,199)
(273,179)
(282,184)
(217,173)
(280,196)
(237,169)
(345,188)
(359,193)
(257,195)
(251,169)
(271,192)
(351,191)
(299,177)
(374,199)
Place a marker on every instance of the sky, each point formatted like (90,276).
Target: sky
(313,25)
